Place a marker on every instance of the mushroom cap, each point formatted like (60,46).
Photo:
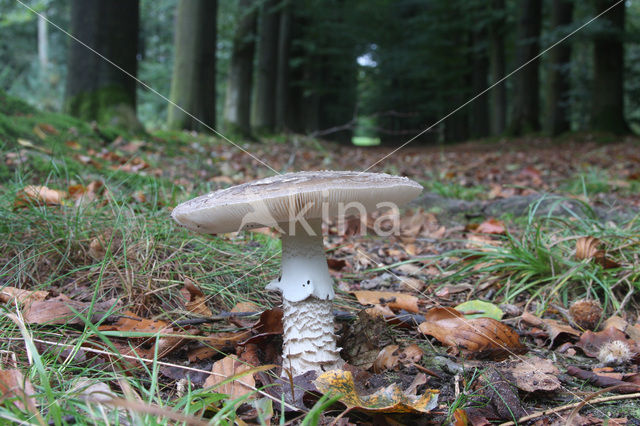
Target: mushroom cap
(291,196)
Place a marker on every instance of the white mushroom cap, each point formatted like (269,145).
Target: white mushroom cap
(283,198)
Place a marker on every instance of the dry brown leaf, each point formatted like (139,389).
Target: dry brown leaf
(215,343)
(13,385)
(60,310)
(8,294)
(196,300)
(491,226)
(477,337)
(411,284)
(225,368)
(394,300)
(245,307)
(591,342)
(534,374)
(412,354)
(130,322)
(39,194)
(552,327)
(586,247)
(387,359)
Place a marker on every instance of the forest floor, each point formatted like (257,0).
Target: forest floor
(108,303)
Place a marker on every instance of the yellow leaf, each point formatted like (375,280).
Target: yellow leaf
(386,400)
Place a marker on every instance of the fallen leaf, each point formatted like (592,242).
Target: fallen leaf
(534,374)
(491,226)
(476,337)
(553,328)
(39,194)
(130,322)
(387,359)
(590,342)
(411,284)
(586,247)
(362,339)
(227,368)
(8,294)
(480,308)
(394,300)
(196,300)
(215,343)
(60,310)
(14,386)
(386,400)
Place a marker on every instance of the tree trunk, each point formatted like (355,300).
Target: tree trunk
(607,111)
(282,79)
(558,81)
(526,108)
(479,109)
(237,106)
(43,41)
(96,90)
(497,66)
(264,113)
(193,84)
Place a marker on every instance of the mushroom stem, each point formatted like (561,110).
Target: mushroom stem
(309,339)
(307,294)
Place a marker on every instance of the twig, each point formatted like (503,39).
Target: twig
(570,406)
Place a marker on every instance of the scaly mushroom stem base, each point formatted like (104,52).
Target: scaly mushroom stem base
(309,339)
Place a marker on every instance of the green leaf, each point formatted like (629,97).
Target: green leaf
(480,309)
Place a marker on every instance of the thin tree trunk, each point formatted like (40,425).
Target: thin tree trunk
(237,106)
(497,67)
(607,112)
(43,41)
(193,84)
(479,109)
(96,90)
(282,79)
(526,108)
(264,113)
(558,81)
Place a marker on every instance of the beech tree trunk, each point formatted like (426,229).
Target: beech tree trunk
(237,106)
(497,67)
(96,90)
(479,109)
(193,84)
(607,112)
(526,108)
(282,74)
(264,112)
(559,78)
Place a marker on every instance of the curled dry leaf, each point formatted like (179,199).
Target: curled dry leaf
(60,310)
(476,337)
(395,300)
(553,328)
(24,297)
(586,247)
(15,387)
(39,194)
(386,400)
(130,322)
(215,343)
(229,367)
(196,300)
(387,359)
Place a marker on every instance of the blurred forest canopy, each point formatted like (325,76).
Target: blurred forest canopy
(384,69)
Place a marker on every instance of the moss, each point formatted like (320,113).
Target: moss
(12,106)
(112,106)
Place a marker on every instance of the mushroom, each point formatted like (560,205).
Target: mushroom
(295,204)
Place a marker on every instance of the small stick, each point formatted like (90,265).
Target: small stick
(426,370)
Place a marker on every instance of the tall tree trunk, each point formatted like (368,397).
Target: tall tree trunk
(282,74)
(193,84)
(43,41)
(497,67)
(237,105)
(558,81)
(264,112)
(526,108)
(96,90)
(607,112)
(479,109)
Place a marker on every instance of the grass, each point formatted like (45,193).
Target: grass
(539,262)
